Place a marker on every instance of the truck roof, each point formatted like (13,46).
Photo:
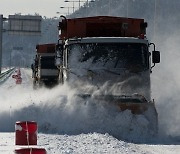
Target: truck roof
(46,48)
(107,40)
(102,26)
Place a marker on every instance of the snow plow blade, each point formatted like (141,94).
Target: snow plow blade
(136,103)
(136,108)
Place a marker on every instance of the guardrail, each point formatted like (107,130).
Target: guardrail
(5,75)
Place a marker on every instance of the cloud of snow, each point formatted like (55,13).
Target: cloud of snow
(166,85)
(58,110)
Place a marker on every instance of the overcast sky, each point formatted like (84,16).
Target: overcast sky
(43,7)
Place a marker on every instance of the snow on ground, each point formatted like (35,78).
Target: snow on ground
(83,143)
(86,143)
(90,127)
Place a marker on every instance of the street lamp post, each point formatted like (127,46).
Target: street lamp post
(90,1)
(127,11)
(79,1)
(72,2)
(156,12)
(87,2)
(60,13)
(63,7)
(109,7)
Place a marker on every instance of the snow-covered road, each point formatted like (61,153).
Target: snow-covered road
(21,102)
(86,143)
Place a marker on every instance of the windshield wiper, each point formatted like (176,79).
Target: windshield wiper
(111,72)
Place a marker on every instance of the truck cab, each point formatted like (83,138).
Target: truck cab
(121,63)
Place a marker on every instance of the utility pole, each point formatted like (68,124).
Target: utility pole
(155,18)
(1,33)
(127,13)
(109,7)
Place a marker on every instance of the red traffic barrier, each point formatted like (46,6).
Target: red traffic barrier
(26,133)
(30,151)
(19,80)
(19,72)
(16,76)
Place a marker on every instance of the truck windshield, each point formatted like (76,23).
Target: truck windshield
(113,55)
(48,63)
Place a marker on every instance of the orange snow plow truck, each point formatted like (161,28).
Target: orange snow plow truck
(108,59)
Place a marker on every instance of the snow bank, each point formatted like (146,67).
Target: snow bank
(86,143)
(74,144)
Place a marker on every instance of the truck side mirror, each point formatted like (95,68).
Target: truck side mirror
(32,66)
(156,57)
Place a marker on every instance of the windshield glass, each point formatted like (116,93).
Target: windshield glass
(112,55)
(48,63)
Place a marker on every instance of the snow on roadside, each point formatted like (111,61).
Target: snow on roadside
(57,144)
(75,144)
(86,143)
